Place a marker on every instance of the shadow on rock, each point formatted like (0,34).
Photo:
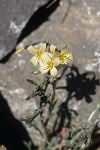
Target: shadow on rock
(34,22)
(12,133)
(78,86)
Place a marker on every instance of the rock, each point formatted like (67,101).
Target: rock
(14,16)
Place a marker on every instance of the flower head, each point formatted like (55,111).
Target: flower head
(49,64)
(48,57)
(37,52)
(65,56)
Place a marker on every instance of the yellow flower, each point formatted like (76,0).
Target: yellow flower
(49,64)
(49,58)
(37,52)
(65,56)
(52,49)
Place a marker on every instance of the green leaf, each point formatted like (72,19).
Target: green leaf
(32,82)
(36,72)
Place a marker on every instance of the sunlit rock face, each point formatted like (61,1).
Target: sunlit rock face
(13,17)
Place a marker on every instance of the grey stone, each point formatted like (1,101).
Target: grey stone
(13,17)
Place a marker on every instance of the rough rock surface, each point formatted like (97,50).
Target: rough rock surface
(14,15)
(80,30)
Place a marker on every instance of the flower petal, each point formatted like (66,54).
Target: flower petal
(54,72)
(45,57)
(44,68)
(64,50)
(52,48)
(69,56)
(32,50)
(56,61)
(42,47)
(34,61)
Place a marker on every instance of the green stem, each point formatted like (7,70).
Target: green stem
(92,114)
(54,88)
(45,129)
(51,106)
